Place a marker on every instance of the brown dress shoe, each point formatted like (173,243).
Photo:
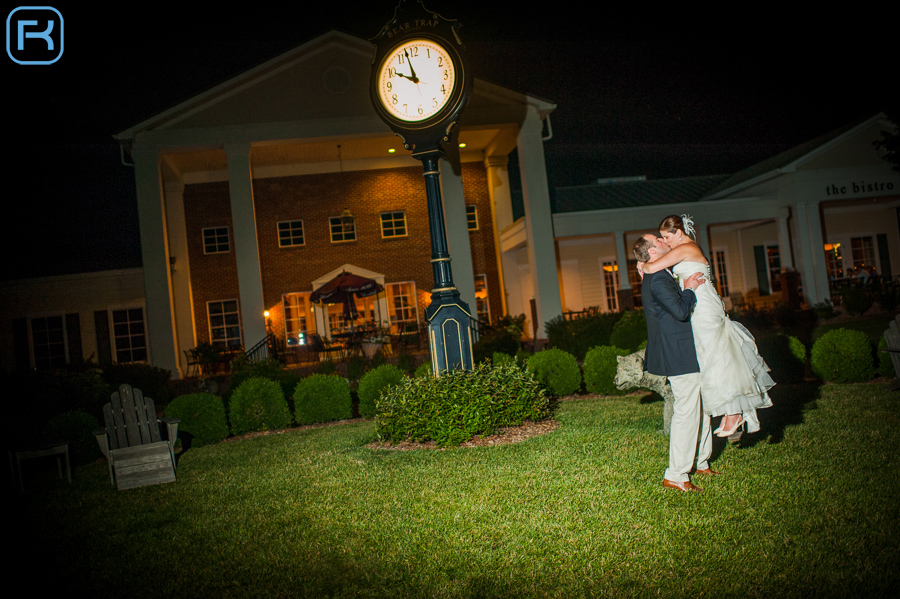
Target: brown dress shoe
(685,486)
(708,471)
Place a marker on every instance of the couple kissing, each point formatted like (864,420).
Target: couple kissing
(711,362)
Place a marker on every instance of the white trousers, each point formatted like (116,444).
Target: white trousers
(690,441)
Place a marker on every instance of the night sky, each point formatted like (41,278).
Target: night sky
(638,93)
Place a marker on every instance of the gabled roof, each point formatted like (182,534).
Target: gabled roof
(789,159)
(630,193)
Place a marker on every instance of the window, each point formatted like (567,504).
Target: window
(768,268)
(342,228)
(611,285)
(215,240)
(634,279)
(224,323)
(48,341)
(298,319)
(482,305)
(393,224)
(472,216)
(402,305)
(863,249)
(721,272)
(774,261)
(290,233)
(834,260)
(129,335)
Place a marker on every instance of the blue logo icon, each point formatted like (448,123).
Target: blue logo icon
(34,35)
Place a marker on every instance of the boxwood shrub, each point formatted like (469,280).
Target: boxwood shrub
(578,335)
(202,416)
(373,384)
(258,405)
(322,398)
(557,370)
(600,366)
(843,356)
(459,405)
(785,355)
(630,331)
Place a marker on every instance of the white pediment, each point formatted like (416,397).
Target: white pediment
(853,149)
(325,78)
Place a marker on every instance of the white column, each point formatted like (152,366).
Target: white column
(702,234)
(784,239)
(813,272)
(538,220)
(160,313)
(501,212)
(180,270)
(454,200)
(246,250)
(622,257)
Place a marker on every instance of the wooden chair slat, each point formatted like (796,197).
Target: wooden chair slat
(136,452)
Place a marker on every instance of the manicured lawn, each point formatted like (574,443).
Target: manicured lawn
(808,508)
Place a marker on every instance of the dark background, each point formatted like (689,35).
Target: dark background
(639,92)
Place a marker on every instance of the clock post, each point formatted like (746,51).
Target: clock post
(420,84)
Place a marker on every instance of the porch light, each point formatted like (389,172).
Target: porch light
(347,221)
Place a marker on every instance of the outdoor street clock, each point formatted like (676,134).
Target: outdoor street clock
(417,80)
(419,87)
(420,82)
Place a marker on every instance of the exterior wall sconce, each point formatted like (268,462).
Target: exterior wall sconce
(347,221)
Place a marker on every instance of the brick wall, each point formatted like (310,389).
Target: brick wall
(313,199)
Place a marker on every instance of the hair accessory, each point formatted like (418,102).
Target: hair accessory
(688,223)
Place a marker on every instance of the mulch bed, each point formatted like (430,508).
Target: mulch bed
(510,434)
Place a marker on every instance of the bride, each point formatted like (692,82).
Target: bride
(734,378)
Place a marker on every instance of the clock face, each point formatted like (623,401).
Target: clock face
(416,80)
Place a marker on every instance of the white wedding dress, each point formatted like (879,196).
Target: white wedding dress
(733,376)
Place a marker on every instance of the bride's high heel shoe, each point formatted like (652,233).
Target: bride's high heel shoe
(722,432)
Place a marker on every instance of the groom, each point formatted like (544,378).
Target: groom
(670,353)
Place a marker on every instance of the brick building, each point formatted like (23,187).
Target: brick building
(260,190)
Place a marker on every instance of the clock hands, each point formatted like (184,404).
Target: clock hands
(414,79)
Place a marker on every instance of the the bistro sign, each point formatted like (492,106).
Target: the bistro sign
(858,187)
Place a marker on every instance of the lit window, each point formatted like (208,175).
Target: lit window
(472,217)
(224,323)
(342,228)
(863,249)
(215,240)
(298,319)
(393,224)
(48,340)
(290,233)
(128,331)
(481,299)
(402,305)
(721,273)
(611,284)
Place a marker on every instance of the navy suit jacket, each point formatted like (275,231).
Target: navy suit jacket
(670,340)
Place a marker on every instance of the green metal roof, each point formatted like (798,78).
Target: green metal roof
(631,193)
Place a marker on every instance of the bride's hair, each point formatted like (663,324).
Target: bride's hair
(681,223)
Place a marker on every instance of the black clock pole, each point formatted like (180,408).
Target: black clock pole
(449,318)
(449,328)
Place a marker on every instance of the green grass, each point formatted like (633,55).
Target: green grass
(807,508)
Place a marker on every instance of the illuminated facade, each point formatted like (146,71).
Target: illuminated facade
(824,210)
(255,193)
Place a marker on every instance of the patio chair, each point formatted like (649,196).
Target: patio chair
(135,452)
(892,338)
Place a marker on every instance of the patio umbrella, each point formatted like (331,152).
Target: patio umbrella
(343,289)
